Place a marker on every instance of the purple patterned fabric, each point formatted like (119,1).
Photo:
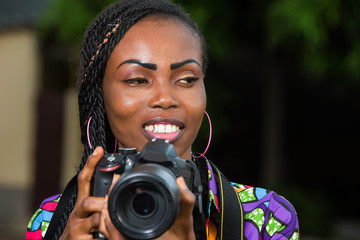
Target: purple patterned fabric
(267,215)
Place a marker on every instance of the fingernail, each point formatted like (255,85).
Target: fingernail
(95,152)
(181,182)
(115,178)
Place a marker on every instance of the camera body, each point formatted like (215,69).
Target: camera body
(145,201)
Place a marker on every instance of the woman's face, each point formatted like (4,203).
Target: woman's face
(153,85)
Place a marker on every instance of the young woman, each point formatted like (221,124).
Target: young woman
(142,77)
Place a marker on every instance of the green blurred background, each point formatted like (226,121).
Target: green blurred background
(283,89)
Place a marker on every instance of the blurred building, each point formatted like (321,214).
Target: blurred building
(26,108)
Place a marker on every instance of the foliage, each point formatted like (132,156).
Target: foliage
(324,33)
(216,26)
(68,19)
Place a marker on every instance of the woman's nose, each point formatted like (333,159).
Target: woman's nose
(164,97)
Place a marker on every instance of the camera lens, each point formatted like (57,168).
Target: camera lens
(143,203)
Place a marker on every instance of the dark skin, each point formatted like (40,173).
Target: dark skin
(153,87)
(137,94)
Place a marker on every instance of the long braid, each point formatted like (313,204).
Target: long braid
(99,41)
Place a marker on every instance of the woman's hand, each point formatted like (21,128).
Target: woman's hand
(182,228)
(86,215)
(90,214)
(106,227)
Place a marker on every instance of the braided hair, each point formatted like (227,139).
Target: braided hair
(99,41)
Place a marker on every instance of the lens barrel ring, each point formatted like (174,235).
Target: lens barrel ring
(148,221)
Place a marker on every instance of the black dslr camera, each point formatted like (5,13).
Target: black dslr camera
(146,200)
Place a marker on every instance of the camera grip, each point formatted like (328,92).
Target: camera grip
(104,173)
(102,183)
(102,180)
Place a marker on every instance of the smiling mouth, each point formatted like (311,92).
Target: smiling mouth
(165,129)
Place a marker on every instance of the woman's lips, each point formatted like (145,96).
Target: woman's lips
(169,129)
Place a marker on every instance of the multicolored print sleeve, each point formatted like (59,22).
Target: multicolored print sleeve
(268,216)
(39,222)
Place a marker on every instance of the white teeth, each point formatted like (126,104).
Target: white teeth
(162,128)
(149,128)
(168,128)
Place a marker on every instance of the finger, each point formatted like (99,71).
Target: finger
(89,206)
(188,199)
(85,228)
(104,214)
(115,179)
(107,227)
(114,233)
(85,176)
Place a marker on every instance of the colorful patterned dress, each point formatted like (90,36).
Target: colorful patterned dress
(39,222)
(266,214)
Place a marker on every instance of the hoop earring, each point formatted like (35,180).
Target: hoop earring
(88,135)
(87,132)
(210,135)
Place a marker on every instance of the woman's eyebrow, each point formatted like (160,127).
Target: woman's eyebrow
(180,64)
(150,66)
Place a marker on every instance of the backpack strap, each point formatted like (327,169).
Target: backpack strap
(232,216)
(60,208)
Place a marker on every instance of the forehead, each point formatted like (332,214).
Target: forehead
(158,37)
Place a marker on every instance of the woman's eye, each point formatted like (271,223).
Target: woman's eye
(188,80)
(136,81)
